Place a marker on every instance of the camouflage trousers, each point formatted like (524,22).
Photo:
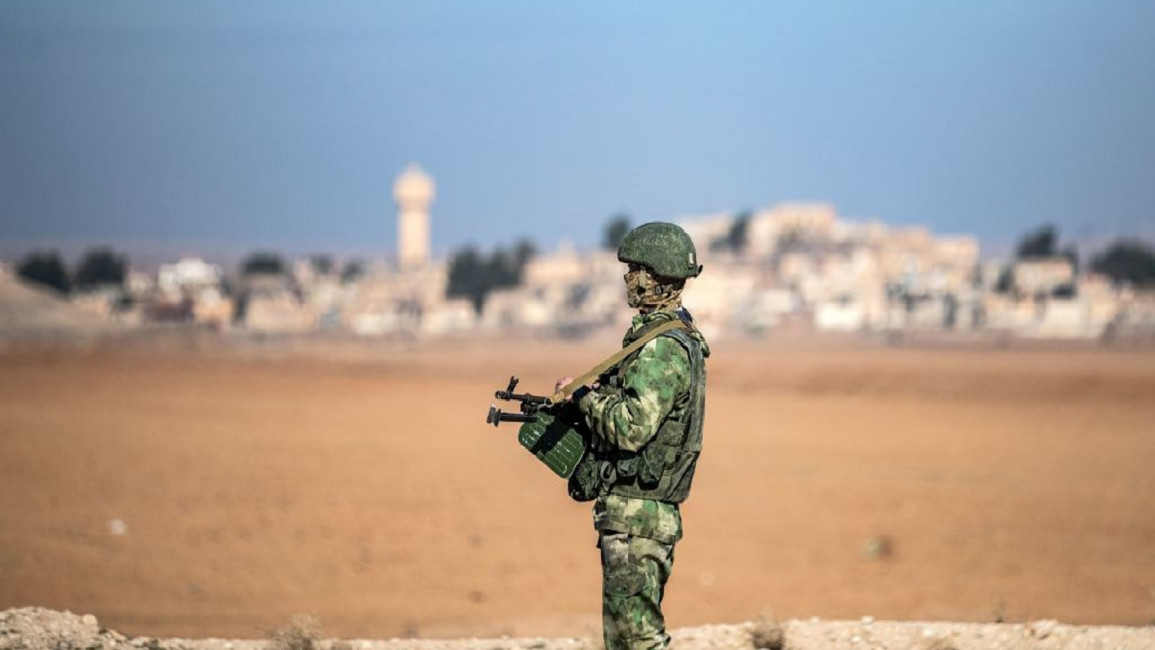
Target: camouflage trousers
(634,574)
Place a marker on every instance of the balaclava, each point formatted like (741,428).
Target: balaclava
(648,293)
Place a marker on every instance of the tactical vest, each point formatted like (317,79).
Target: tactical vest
(664,467)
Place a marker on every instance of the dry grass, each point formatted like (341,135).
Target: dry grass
(767,634)
(302,633)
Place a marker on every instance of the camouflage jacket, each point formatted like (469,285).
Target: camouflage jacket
(628,416)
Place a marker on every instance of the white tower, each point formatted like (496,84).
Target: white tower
(413,191)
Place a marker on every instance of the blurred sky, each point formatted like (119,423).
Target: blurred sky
(279,123)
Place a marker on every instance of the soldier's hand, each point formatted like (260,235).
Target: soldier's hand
(567,380)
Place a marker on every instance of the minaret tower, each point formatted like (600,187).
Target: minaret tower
(413,191)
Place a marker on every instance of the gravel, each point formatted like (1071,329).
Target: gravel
(34,628)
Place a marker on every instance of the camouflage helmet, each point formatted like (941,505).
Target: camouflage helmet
(662,247)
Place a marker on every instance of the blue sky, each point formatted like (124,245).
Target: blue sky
(283,124)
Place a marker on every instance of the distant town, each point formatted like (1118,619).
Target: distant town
(797,264)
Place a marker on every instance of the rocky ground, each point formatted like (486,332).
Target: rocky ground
(43,629)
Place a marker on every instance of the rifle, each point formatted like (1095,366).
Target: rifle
(530,405)
(552,427)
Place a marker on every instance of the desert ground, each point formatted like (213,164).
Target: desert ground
(204,490)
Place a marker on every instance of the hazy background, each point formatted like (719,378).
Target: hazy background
(218,126)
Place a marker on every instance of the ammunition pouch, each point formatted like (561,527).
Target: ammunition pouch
(644,467)
(627,467)
(592,478)
(653,465)
(597,474)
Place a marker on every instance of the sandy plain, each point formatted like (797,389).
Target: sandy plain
(365,488)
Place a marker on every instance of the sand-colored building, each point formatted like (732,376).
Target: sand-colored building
(843,274)
(1043,276)
(414,192)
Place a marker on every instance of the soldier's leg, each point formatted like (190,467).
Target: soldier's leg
(634,574)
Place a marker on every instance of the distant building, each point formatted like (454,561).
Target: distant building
(566,292)
(797,263)
(414,192)
(190,273)
(212,307)
(1043,276)
(273,307)
(564,266)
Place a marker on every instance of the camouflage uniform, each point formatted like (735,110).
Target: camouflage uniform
(638,527)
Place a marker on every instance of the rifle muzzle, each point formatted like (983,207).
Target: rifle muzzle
(496,416)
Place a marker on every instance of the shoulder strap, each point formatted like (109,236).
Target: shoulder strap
(565,391)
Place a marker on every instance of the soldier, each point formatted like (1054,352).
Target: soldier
(645,418)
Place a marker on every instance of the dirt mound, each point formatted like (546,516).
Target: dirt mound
(44,629)
(33,628)
(29,314)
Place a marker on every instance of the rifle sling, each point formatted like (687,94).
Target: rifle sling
(564,392)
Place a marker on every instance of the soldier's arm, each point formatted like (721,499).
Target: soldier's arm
(629,417)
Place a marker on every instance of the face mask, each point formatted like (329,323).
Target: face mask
(647,294)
